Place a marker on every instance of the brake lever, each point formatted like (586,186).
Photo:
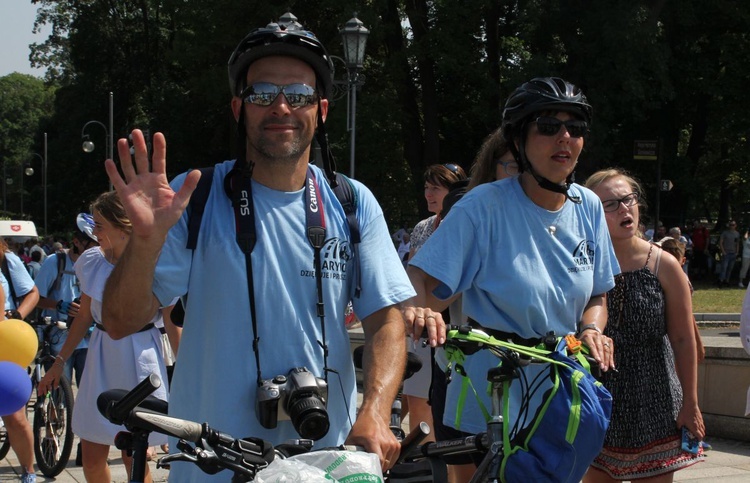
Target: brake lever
(164,461)
(187,453)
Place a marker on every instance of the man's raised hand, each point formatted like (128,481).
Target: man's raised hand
(151,204)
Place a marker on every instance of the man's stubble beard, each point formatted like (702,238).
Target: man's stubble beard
(284,153)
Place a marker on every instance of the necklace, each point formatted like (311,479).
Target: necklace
(546,217)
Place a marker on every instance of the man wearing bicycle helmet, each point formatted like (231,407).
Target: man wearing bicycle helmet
(59,292)
(530,254)
(284,307)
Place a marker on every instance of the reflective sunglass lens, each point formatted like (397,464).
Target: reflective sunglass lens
(576,129)
(549,126)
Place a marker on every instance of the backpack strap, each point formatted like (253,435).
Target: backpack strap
(347,196)
(6,273)
(61,259)
(344,191)
(197,205)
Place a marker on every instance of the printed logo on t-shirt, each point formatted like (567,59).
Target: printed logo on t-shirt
(334,256)
(583,257)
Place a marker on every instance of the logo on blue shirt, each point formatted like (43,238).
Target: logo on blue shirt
(335,255)
(583,257)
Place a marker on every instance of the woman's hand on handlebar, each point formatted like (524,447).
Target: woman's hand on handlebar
(602,348)
(421,319)
(51,378)
(372,432)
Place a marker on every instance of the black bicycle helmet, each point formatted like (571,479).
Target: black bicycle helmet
(285,37)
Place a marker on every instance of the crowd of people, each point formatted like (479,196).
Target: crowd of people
(518,250)
(713,253)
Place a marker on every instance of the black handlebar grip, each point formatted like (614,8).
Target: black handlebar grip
(117,411)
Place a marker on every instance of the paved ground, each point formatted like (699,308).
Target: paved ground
(728,462)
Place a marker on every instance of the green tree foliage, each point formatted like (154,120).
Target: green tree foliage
(436,75)
(25,105)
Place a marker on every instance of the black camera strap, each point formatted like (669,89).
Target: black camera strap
(244,215)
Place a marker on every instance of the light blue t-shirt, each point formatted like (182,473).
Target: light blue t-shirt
(22,281)
(521,269)
(69,290)
(215,377)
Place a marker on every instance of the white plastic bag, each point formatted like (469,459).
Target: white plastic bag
(332,466)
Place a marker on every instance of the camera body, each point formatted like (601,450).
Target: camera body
(299,396)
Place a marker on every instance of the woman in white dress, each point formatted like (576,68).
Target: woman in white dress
(110,364)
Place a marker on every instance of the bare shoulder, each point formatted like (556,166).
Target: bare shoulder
(669,272)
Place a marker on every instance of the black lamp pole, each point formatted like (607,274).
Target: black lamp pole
(354,37)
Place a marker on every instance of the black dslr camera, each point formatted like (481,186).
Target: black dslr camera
(300,397)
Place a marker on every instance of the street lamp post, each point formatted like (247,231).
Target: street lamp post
(354,38)
(5,177)
(89,146)
(29,171)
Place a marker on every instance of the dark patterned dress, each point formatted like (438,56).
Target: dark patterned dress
(642,440)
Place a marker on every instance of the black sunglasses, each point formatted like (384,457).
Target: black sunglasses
(614,205)
(549,126)
(264,94)
(452,168)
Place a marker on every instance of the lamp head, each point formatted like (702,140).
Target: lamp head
(88,146)
(354,37)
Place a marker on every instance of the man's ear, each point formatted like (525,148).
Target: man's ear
(323,106)
(236,106)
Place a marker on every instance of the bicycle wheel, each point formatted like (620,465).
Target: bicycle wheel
(4,442)
(53,435)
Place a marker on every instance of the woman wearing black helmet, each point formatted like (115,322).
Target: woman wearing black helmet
(530,254)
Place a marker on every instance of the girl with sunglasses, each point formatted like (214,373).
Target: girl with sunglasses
(655,391)
(530,254)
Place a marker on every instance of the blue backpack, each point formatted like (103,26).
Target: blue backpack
(567,430)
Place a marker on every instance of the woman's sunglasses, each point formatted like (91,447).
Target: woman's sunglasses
(549,126)
(264,94)
(453,168)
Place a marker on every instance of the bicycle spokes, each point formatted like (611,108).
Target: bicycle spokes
(53,436)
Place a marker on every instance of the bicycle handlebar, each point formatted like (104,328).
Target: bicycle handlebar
(116,407)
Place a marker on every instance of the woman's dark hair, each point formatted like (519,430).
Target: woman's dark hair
(493,148)
(444,174)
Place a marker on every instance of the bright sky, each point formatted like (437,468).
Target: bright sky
(16,21)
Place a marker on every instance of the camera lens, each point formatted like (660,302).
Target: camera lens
(309,416)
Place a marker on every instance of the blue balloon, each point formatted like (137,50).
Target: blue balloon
(15,387)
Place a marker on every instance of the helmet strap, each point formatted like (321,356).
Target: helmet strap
(241,140)
(544,183)
(329,162)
